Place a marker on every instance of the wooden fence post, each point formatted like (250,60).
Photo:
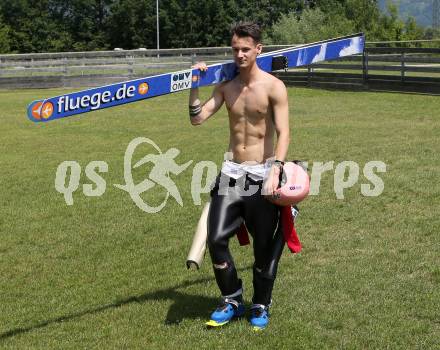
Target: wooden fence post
(65,66)
(365,66)
(402,67)
(130,66)
(309,75)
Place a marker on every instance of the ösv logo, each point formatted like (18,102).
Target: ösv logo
(181,80)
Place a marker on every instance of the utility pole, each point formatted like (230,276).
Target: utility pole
(157,26)
(436,14)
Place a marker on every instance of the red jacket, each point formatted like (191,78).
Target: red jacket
(290,235)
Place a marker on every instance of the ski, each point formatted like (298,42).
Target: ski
(139,89)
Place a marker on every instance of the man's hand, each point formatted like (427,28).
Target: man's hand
(272,181)
(201,66)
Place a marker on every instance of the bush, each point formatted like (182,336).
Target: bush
(312,25)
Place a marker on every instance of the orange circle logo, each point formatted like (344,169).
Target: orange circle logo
(143,88)
(36,109)
(195,78)
(47,110)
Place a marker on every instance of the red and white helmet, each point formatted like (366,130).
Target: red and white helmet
(294,187)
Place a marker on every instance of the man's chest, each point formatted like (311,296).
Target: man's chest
(249,102)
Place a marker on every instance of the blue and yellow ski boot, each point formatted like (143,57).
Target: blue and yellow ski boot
(259,316)
(228,310)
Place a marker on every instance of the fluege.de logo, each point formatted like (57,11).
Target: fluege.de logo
(42,110)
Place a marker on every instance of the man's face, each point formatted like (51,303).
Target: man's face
(245,51)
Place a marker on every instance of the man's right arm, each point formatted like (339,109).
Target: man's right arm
(199,112)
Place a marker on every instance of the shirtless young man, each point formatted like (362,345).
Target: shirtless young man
(257,106)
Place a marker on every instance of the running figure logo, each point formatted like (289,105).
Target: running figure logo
(163,164)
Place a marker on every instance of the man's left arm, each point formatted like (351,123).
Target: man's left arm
(280,108)
(280,105)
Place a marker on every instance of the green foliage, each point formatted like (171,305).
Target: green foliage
(411,30)
(312,25)
(330,18)
(195,23)
(78,25)
(421,10)
(55,25)
(5,45)
(131,24)
(390,27)
(432,33)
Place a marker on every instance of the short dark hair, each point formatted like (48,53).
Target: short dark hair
(244,29)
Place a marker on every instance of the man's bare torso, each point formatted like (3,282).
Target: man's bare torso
(257,105)
(251,121)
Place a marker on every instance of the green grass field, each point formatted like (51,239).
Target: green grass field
(104,274)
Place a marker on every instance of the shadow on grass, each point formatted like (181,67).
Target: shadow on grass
(182,308)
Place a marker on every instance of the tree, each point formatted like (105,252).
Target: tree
(390,27)
(431,33)
(411,30)
(5,45)
(55,25)
(324,19)
(81,23)
(132,24)
(312,25)
(421,10)
(77,25)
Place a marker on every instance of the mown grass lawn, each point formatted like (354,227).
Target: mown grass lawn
(104,274)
